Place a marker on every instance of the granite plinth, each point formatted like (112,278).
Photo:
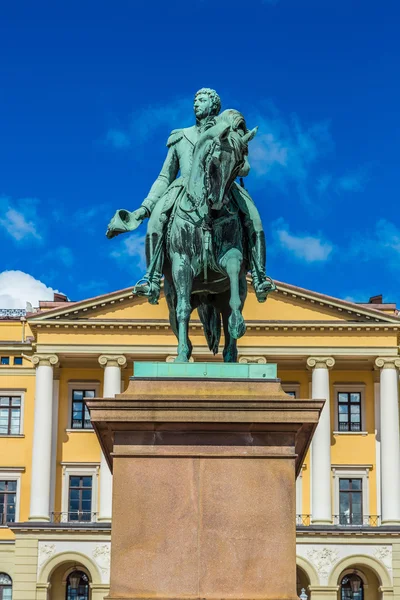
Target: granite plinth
(204,486)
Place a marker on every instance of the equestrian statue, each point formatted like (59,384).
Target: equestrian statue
(204,232)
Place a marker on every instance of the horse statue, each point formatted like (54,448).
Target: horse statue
(206,265)
(205,233)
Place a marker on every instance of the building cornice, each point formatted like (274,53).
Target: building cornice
(141,324)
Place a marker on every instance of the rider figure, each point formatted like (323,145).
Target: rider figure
(167,189)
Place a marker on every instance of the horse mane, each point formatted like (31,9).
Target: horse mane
(234,118)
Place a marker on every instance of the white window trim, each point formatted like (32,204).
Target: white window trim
(16,392)
(351,472)
(349,387)
(79,469)
(81,385)
(13,474)
(291,387)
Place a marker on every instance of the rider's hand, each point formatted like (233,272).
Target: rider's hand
(140,213)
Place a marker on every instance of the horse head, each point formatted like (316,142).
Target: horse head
(220,155)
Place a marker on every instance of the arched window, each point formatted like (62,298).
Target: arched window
(77,586)
(351,588)
(5,587)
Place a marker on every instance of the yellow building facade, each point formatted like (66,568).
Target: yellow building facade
(56,489)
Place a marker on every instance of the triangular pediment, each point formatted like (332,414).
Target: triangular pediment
(288,304)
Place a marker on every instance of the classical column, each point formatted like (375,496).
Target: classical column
(390,439)
(112,385)
(377,417)
(42,435)
(321,444)
(54,436)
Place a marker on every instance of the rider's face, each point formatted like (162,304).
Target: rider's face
(202,106)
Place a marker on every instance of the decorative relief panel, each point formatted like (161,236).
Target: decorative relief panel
(101,555)
(323,560)
(46,551)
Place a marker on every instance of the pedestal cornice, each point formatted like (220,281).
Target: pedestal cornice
(112,360)
(45,360)
(320,362)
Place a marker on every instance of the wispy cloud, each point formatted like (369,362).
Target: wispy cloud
(285,150)
(118,139)
(64,255)
(147,122)
(382,243)
(303,246)
(19,218)
(352,182)
(133,249)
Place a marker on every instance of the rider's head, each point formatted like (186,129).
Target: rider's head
(207,103)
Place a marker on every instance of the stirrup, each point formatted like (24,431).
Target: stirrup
(140,283)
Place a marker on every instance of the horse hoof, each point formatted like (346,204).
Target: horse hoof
(236,324)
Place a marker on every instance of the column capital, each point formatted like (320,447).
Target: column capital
(388,362)
(45,360)
(249,360)
(112,360)
(320,362)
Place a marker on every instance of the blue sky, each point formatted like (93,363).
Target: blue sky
(90,91)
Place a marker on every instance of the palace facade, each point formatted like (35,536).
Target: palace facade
(56,488)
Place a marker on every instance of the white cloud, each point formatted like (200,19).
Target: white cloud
(133,247)
(304,247)
(17,288)
(19,218)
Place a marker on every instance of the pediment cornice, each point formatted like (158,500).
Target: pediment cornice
(348,314)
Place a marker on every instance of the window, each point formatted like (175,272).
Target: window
(17,360)
(80,498)
(292,388)
(10,415)
(5,587)
(8,500)
(80,414)
(351,588)
(349,407)
(350,502)
(5,360)
(77,586)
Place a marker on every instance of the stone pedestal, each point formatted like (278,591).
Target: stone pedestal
(204,461)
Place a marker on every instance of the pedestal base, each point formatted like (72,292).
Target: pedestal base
(204,486)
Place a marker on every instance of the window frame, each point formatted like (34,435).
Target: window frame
(80,385)
(352,472)
(13,474)
(5,586)
(21,393)
(80,470)
(352,492)
(4,364)
(291,387)
(350,388)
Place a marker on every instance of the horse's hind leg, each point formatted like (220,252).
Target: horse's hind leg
(183,281)
(232,264)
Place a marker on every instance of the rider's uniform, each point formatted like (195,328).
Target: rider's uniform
(168,188)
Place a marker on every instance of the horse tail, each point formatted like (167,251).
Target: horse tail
(211,321)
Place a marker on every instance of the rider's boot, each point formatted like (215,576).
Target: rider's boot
(150,284)
(262,284)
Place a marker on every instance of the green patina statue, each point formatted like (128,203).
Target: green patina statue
(204,230)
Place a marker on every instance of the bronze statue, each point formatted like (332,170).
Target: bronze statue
(204,231)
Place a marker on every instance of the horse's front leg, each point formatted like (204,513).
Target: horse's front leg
(231,263)
(183,280)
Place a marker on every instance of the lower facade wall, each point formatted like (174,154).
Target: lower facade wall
(39,565)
